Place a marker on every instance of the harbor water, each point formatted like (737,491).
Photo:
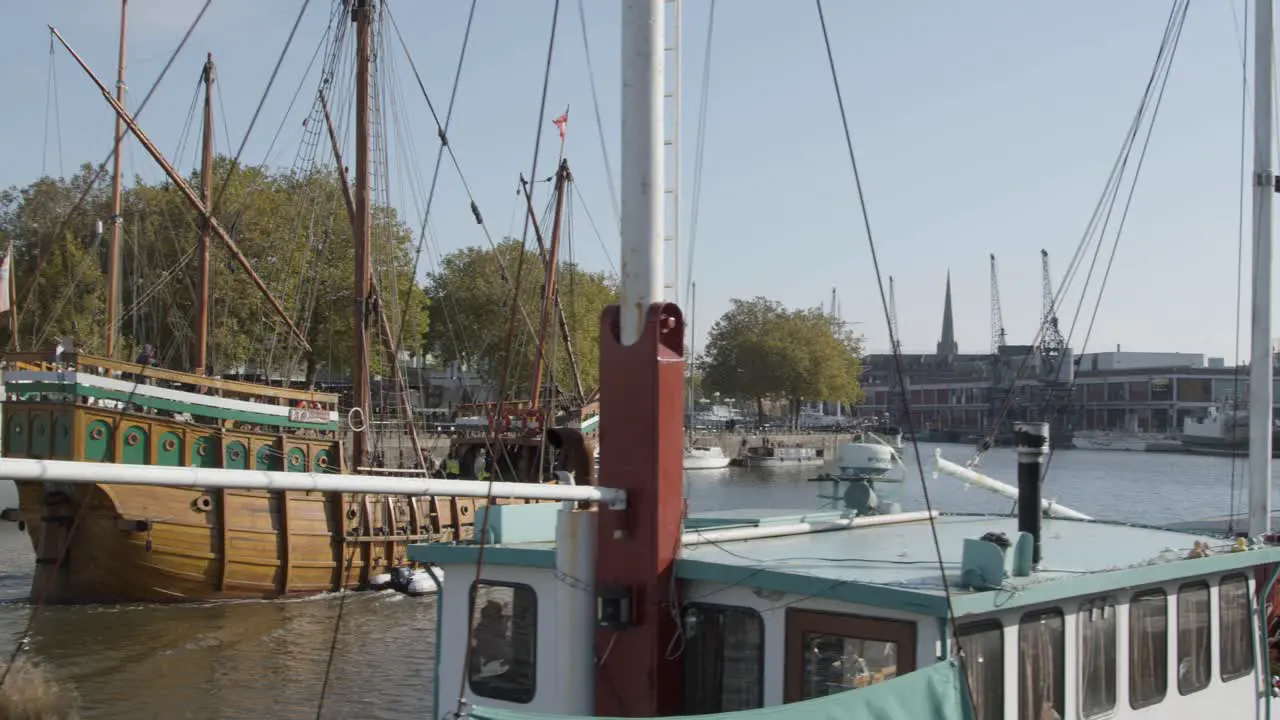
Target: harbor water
(268,659)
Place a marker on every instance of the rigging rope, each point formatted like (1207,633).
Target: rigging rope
(1101,214)
(102,166)
(699,153)
(595,105)
(1142,154)
(1244,152)
(235,162)
(893,341)
(51,100)
(484,529)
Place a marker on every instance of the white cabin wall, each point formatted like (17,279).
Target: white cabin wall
(1233,699)
(773,606)
(551,675)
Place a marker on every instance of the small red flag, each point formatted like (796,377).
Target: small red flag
(560,123)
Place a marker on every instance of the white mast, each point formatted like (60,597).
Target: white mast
(672,71)
(1260,393)
(643,186)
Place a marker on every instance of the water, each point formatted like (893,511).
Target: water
(267,659)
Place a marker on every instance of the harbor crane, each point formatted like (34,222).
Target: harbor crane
(1052,343)
(997,317)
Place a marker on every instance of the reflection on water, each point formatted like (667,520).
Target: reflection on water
(267,659)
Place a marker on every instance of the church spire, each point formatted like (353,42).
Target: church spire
(947,348)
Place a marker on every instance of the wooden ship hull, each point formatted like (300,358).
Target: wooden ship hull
(113,543)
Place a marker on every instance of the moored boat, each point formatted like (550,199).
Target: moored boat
(705,457)
(778,456)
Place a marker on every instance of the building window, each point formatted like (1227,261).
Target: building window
(504,629)
(723,659)
(982,655)
(828,653)
(1040,671)
(1148,648)
(1097,621)
(1235,612)
(1193,637)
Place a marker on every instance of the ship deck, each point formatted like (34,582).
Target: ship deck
(896,565)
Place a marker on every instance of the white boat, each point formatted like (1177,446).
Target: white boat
(1124,440)
(704,457)
(890,435)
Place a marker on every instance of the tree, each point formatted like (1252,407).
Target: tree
(472,311)
(760,350)
(291,225)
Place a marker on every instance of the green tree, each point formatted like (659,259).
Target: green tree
(472,309)
(760,350)
(742,352)
(291,225)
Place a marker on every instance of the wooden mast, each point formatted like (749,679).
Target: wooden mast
(549,290)
(113,243)
(206,230)
(362,15)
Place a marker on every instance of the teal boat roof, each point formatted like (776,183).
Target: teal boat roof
(894,565)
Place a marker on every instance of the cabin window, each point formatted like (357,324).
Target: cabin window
(982,655)
(1235,613)
(1148,648)
(1097,621)
(504,625)
(829,653)
(1193,637)
(1040,671)
(723,659)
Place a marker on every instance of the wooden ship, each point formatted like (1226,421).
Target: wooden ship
(532,435)
(122,542)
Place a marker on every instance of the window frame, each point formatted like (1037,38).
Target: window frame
(1222,635)
(860,627)
(1163,594)
(1195,585)
(975,628)
(759,619)
(1106,604)
(515,587)
(1037,615)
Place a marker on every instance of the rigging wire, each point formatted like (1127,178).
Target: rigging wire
(893,341)
(51,100)
(515,294)
(1244,151)
(235,162)
(1101,210)
(444,141)
(92,182)
(595,104)
(696,203)
(1124,215)
(475,207)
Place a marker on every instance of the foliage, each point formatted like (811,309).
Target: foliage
(291,225)
(761,350)
(473,310)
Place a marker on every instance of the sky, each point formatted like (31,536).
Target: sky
(979,128)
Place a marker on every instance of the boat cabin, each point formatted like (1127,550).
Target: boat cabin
(1117,621)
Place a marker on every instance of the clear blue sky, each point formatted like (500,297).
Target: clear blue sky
(981,127)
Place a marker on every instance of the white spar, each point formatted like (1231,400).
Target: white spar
(65,471)
(946,467)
